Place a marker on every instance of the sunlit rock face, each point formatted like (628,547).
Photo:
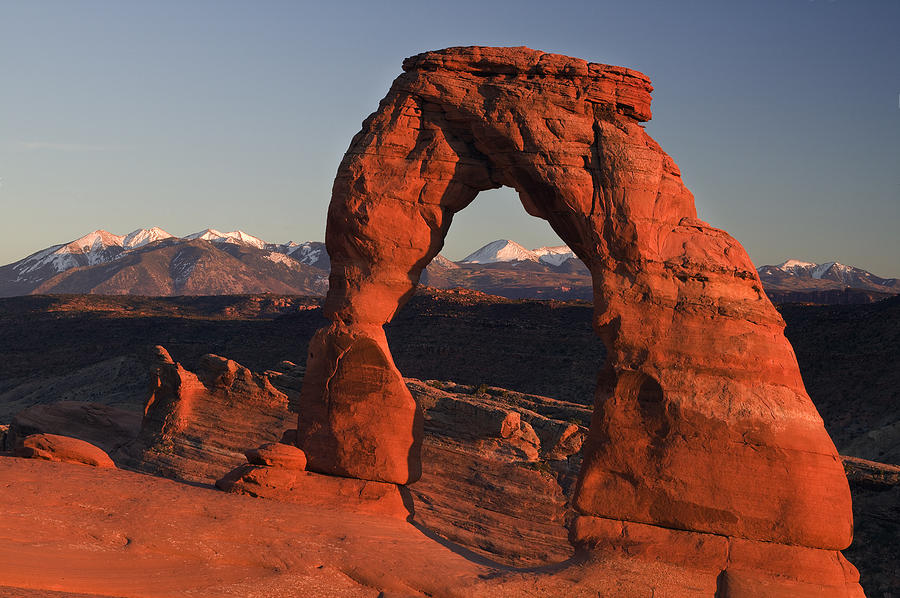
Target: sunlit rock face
(701,419)
(196,425)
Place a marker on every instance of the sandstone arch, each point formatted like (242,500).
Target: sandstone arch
(701,420)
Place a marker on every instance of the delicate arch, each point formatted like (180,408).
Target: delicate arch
(701,397)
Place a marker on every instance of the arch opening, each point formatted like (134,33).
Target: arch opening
(547,342)
(483,373)
(671,295)
(495,214)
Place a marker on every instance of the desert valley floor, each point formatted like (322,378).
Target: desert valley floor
(505,386)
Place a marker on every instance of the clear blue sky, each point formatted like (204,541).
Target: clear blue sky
(783,115)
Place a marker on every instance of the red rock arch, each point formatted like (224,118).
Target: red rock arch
(701,418)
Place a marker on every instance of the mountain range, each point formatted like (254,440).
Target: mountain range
(799,277)
(504,250)
(154,262)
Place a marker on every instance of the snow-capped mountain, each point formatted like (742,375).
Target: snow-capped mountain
(153,262)
(504,250)
(100,247)
(45,270)
(440,261)
(311,253)
(554,255)
(801,276)
(793,266)
(508,269)
(235,236)
(97,247)
(827,270)
(143,236)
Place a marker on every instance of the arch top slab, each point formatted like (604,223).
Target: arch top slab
(622,88)
(701,419)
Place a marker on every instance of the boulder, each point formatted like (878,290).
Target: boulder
(275,454)
(317,490)
(275,471)
(51,447)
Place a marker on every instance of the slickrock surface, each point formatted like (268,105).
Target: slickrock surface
(544,347)
(52,447)
(105,532)
(196,426)
(498,471)
(702,422)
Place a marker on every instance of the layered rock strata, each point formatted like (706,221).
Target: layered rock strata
(498,470)
(701,419)
(196,425)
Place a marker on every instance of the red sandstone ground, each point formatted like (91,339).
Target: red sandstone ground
(89,348)
(475,490)
(88,531)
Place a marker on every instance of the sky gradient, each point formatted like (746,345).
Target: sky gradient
(784,116)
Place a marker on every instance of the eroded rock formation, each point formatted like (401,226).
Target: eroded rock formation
(498,470)
(196,425)
(701,419)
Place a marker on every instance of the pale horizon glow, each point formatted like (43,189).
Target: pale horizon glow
(782,115)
